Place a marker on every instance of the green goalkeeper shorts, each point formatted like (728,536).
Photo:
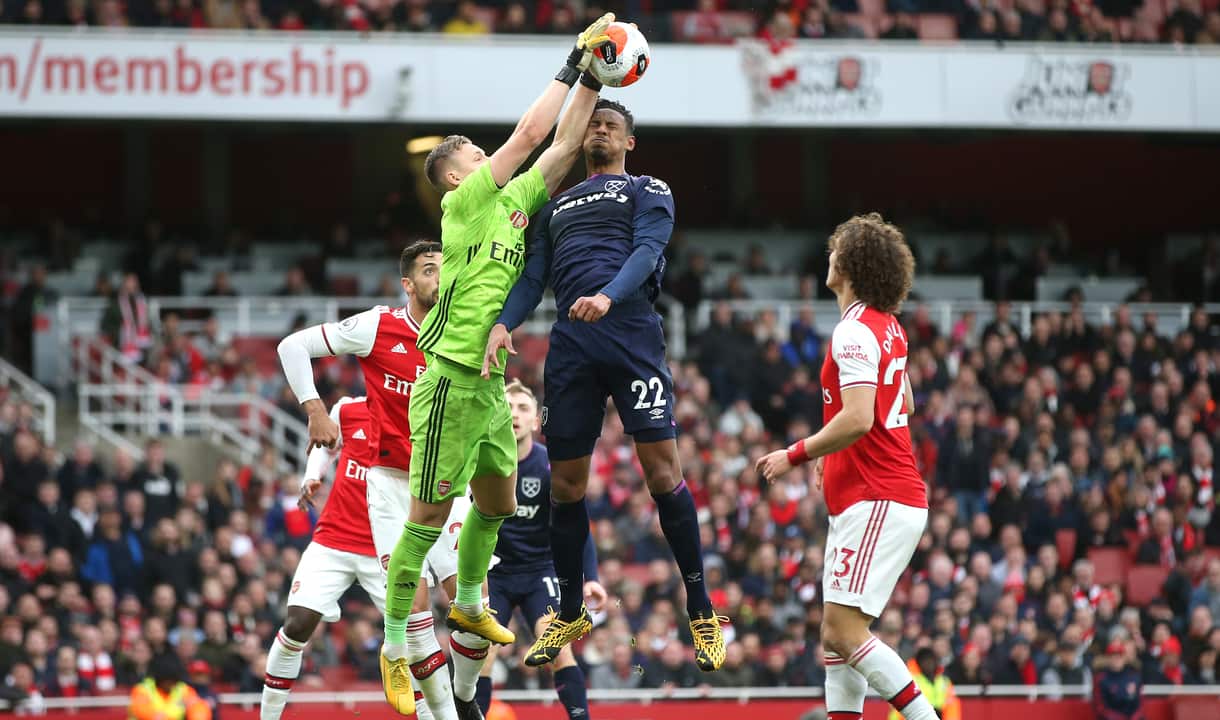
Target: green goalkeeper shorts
(461,428)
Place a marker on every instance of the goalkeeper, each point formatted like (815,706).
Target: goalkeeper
(461,428)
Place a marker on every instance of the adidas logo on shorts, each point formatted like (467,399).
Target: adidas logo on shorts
(399,348)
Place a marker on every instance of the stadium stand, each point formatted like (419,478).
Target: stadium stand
(708,21)
(1084,432)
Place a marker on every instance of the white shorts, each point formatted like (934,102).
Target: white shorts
(324,574)
(441,562)
(868,547)
(389,497)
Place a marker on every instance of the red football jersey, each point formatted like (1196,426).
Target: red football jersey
(344,523)
(869,348)
(383,340)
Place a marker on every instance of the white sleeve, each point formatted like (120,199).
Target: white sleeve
(354,336)
(320,458)
(857,354)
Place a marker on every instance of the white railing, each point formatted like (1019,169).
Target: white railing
(1170,317)
(650,695)
(119,400)
(39,398)
(80,317)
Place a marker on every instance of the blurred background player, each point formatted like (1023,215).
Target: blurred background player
(601,247)
(384,341)
(460,426)
(875,495)
(164,696)
(340,553)
(938,689)
(524,577)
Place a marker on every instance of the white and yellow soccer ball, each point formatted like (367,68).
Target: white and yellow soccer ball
(624,59)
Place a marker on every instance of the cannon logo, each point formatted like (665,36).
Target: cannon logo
(790,80)
(1067,90)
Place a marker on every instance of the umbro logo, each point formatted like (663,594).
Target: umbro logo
(359,435)
(694,577)
(400,348)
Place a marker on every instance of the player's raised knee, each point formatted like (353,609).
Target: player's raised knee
(300,623)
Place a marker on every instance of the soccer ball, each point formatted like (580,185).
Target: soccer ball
(624,59)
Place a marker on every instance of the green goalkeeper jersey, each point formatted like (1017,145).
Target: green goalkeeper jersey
(483,236)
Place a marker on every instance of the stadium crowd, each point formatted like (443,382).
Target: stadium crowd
(1038,450)
(1177,21)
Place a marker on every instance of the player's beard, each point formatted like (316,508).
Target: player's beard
(599,154)
(429,301)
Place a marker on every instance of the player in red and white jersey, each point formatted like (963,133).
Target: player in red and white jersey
(340,553)
(384,341)
(874,493)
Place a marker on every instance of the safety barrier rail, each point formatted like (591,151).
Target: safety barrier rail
(119,399)
(244,316)
(39,398)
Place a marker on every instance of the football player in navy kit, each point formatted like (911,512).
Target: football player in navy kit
(600,245)
(524,576)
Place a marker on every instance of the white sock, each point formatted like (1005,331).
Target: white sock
(845,689)
(471,609)
(429,670)
(469,652)
(283,667)
(422,711)
(272,706)
(889,676)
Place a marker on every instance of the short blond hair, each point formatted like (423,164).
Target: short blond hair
(516,386)
(438,160)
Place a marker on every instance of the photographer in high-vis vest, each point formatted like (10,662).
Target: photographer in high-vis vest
(938,689)
(164,696)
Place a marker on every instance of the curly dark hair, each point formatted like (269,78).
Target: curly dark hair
(874,256)
(406,261)
(618,107)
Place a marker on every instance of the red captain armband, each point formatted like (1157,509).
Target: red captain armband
(797,454)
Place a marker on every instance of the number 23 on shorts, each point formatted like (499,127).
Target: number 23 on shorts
(842,558)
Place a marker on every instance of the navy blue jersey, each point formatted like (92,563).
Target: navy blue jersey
(606,235)
(525,539)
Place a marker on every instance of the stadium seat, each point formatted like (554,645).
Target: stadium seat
(1109,565)
(1065,543)
(1110,289)
(1133,542)
(937,27)
(1190,708)
(949,287)
(339,675)
(262,350)
(1144,583)
(532,349)
(345,285)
